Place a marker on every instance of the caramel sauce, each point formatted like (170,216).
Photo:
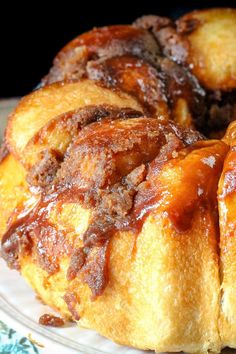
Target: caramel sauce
(124,36)
(95,271)
(145,191)
(111,189)
(134,76)
(33,232)
(51,320)
(199,179)
(229,182)
(229,173)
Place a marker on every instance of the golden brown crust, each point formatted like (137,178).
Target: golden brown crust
(226,195)
(14,189)
(122,307)
(41,106)
(100,43)
(108,206)
(44,152)
(195,41)
(212,46)
(99,171)
(134,76)
(129,58)
(147,59)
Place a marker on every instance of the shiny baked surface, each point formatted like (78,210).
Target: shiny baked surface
(115,204)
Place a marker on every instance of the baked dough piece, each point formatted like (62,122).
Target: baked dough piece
(129,58)
(39,107)
(171,248)
(212,49)
(203,42)
(227,198)
(13,188)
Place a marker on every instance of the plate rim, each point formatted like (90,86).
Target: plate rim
(25,326)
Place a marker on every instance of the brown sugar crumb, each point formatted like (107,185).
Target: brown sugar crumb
(95,272)
(77,261)
(51,320)
(149,22)
(43,173)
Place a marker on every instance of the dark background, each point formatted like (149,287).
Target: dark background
(31,34)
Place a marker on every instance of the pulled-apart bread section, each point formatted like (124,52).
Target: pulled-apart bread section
(116,210)
(212,50)
(138,192)
(129,58)
(41,106)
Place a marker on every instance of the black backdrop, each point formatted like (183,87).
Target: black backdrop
(32,34)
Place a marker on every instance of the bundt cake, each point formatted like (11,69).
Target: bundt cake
(118,183)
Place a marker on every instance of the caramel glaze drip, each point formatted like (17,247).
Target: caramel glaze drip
(34,231)
(199,177)
(229,174)
(105,169)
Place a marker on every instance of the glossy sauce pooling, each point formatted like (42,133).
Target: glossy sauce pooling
(197,170)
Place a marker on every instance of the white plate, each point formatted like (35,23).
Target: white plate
(20,309)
